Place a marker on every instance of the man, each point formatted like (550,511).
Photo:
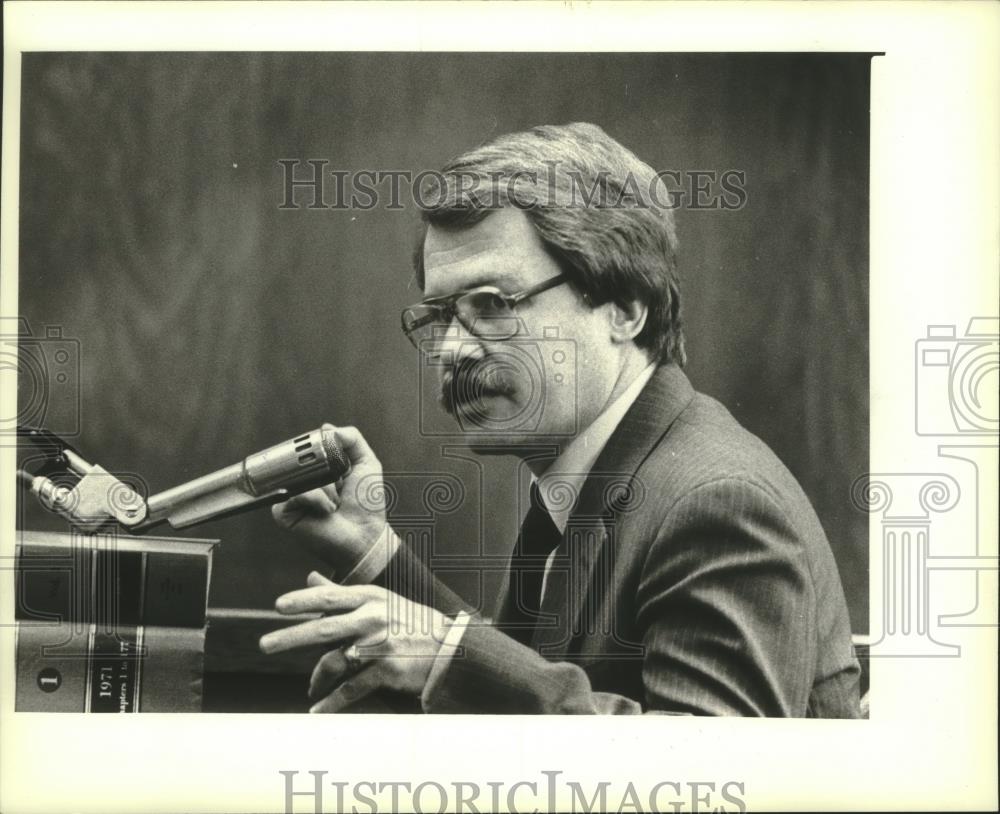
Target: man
(668,561)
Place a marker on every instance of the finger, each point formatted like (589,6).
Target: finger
(315,503)
(326,598)
(353,689)
(332,491)
(328,672)
(318,501)
(316,579)
(355,446)
(325,631)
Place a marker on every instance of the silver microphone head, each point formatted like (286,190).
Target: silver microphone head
(338,461)
(312,459)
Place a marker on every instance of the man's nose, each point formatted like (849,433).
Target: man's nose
(459,344)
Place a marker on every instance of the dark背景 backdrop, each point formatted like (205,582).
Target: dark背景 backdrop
(211,323)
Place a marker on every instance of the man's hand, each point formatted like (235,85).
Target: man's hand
(340,522)
(382,640)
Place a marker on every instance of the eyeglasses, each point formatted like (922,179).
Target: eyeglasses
(485,312)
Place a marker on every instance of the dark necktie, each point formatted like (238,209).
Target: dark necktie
(539,537)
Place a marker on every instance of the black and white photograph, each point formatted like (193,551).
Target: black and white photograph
(465,387)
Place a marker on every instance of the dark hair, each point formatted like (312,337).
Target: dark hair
(601,213)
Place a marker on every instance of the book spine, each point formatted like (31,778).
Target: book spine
(97,669)
(81,583)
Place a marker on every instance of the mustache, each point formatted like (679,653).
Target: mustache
(472,380)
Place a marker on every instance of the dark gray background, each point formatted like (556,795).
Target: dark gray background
(212,324)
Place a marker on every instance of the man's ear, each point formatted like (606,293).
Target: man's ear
(626,319)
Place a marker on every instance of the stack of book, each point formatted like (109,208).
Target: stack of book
(110,623)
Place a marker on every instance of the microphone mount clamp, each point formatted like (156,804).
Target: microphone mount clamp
(95,499)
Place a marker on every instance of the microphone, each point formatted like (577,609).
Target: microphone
(271,476)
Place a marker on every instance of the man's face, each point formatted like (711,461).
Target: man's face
(546,383)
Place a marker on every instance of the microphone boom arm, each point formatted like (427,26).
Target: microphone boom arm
(308,461)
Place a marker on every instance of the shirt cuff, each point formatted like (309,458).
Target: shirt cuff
(449,647)
(376,560)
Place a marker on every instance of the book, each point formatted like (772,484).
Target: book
(109,622)
(113,579)
(67,667)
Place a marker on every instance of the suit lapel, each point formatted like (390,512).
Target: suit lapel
(581,569)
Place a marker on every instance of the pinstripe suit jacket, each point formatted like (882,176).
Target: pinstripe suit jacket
(707,587)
